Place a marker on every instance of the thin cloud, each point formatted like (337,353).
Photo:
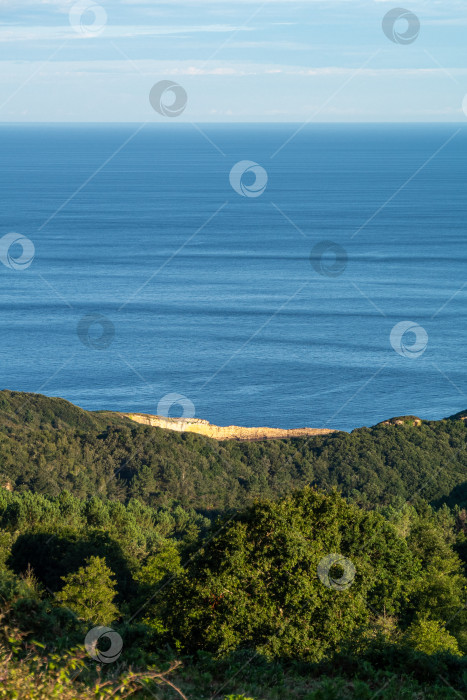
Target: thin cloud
(198,69)
(59,33)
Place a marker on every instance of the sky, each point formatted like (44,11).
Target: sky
(237,61)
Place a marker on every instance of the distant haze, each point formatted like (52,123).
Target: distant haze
(277,61)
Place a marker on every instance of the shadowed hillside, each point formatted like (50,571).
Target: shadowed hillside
(49,445)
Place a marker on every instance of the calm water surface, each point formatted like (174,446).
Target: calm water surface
(225,308)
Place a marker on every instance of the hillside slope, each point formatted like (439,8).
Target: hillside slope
(48,445)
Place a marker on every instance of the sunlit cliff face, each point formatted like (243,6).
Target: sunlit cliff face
(230,432)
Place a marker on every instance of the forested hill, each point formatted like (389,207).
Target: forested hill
(48,445)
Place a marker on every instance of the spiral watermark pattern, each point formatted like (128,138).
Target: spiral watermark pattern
(160,97)
(87,336)
(399,343)
(249,168)
(329,259)
(169,400)
(109,655)
(26,257)
(87,18)
(412,30)
(464,105)
(347,568)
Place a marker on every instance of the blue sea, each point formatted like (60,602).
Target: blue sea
(149,275)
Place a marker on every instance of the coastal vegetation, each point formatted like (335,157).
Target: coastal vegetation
(313,568)
(48,446)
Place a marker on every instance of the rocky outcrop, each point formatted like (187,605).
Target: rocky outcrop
(402,420)
(462,415)
(229,432)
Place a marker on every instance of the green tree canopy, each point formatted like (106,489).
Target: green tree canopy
(90,591)
(262,581)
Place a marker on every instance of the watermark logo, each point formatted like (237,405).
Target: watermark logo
(87,18)
(394,18)
(248,179)
(96,331)
(7,257)
(109,655)
(328,259)
(401,343)
(168,98)
(464,105)
(169,400)
(335,571)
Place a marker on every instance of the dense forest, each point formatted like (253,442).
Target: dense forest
(48,446)
(314,568)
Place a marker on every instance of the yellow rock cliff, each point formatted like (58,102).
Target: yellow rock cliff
(229,432)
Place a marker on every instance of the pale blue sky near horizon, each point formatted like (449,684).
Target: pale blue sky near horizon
(242,61)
